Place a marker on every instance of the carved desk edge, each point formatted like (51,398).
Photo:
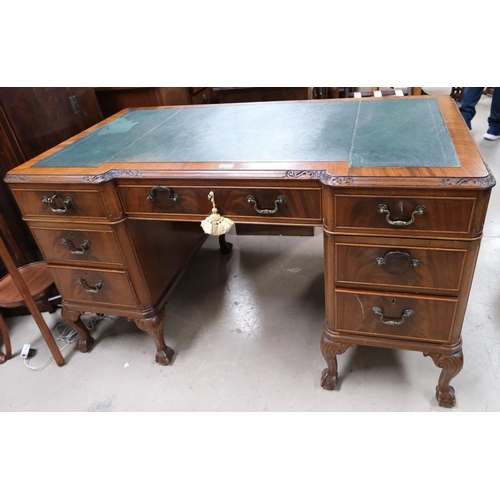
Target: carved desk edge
(323,176)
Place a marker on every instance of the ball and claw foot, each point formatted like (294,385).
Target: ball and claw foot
(85,345)
(154,327)
(329,382)
(446,399)
(330,350)
(86,341)
(164,357)
(450,365)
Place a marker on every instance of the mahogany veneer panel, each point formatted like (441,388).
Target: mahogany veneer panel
(85,203)
(103,248)
(405,266)
(443,214)
(117,288)
(300,203)
(432,320)
(169,245)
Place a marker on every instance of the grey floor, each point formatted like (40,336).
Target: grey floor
(246,331)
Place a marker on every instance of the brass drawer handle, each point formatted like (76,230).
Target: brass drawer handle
(382,261)
(281,200)
(173,196)
(382,209)
(74,250)
(66,203)
(407,313)
(88,288)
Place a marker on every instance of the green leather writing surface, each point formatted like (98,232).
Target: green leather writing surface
(104,144)
(385,133)
(401,133)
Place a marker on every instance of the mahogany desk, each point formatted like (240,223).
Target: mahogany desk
(397,184)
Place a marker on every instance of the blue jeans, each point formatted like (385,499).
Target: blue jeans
(470,97)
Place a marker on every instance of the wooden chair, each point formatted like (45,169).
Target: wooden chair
(24,286)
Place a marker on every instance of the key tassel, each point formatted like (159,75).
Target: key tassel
(215,224)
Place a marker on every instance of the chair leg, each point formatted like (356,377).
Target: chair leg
(30,303)
(6,341)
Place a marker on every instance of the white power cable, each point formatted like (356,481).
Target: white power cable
(68,336)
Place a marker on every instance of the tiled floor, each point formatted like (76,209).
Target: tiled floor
(246,331)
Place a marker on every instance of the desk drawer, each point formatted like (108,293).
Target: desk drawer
(94,286)
(77,245)
(398,266)
(419,214)
(60,203)
(273,203)
(397,315)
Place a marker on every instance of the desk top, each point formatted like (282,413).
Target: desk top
(351,140)
(385,133)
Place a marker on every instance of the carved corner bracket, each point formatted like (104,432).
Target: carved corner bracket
(112,174)
(484,182)
(322,175)
(16,178)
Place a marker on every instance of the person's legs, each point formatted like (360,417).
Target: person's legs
(470,97)
(493,132)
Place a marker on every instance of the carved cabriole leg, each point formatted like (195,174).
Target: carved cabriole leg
(451,366)
(73,319)
(330,349)
(154,327)
(225,246)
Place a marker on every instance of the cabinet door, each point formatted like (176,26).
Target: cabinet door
(42,117)
(11,156)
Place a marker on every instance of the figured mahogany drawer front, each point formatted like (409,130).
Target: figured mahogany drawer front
(430,270)
(94,286)
(395,315)
(427,214)
(264,203)
(77,245)
(60,203)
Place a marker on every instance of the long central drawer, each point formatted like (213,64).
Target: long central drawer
(261,203)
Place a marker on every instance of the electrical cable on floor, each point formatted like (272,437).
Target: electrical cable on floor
(68,335)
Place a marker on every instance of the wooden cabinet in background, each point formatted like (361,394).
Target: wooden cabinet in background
(114,99)
(260,94)
(203,95)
